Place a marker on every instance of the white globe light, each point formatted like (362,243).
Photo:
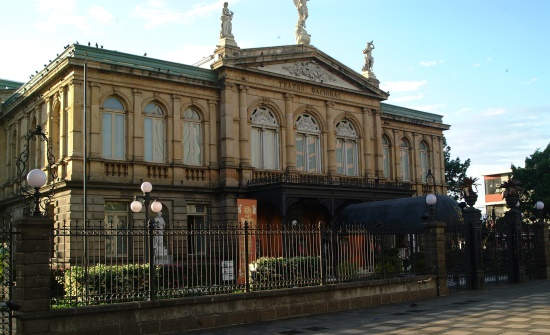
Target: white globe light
(156,206)
(146,187)
(517,204)
(539,205)
(431,199)
(136,206)
(36,178)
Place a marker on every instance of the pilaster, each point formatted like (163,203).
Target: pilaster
(396,152)
(244,131)
(378,152)
(213,134)
(368,157)
(95,125)
(138,126)
(331,138)
(290,133)
(177,133)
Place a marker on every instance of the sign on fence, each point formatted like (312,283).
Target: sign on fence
(227,271)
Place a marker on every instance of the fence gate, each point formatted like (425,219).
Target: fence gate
(457,256)
(497,251)
(6,275)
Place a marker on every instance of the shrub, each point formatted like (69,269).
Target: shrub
(347,271)
(389,262)
(279,271)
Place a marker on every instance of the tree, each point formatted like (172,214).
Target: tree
(455,172)
(535,180)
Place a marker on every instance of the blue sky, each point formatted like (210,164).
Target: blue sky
(483,65)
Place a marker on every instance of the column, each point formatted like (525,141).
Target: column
(472,220)
(331,138)
(63,125)
(434,251)
(368,165)
(244,131)
(228,111)
(290,133)
(435,165)
(396,152)
(378,152)
(95,140)
(176,129)
(75,124)
(138,126)
(417,170)
(213,134)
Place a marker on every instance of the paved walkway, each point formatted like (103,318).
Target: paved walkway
(521,309)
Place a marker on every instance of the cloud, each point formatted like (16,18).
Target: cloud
(476,65)
(408,98)
(100,14)
(430,63)
(530,81)
(188,54)
(403,86)
(433,108)
(493,111)
(157,12)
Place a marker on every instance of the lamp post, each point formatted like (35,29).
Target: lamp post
(431,202)
(36,178)
(156,207)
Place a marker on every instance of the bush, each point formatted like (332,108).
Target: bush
(279,271)
(347,271)
(389,262)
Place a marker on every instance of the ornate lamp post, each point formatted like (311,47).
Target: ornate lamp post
(156,207)
(431,202)
(36,178)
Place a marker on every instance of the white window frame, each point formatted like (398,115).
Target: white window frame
(192,117)
(386,157)
(346,134)
(424,160)
(157,151)
(117,135)
(263,121)
(307,127)
(405,150)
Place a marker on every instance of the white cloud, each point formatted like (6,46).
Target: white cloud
(493,111)
(407,98)
(157,12)
(100,14)
(476,65)
(530,81)
(430,63)
(403,86)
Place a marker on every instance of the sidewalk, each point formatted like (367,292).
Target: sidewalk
(520,309)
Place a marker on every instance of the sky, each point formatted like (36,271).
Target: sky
(483,65)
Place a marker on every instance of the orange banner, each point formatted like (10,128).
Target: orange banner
(247,211)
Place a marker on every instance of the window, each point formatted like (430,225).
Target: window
(424,160)
(192,138)
(196,229)
(114,132)
(346,149)
(116,228)
(308,144)
(264,139)
(405,160)
(154,133)
(386,151)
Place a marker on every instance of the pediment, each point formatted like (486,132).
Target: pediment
(310,70)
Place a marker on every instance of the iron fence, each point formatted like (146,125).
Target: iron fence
(97,262)
(6,274)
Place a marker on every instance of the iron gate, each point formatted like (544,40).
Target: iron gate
(497,250)
(457,257)
(6,275)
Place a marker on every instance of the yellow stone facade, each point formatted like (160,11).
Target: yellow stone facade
(224,97)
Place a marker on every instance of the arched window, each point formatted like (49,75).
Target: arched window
(192,138)
(264,139)
(405,160)
(386,151)
(346,149)
(424,160)
(308,144)
(114,130)
(154,133)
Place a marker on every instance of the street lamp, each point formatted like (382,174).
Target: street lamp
(156,207)
(36,178)
(539,206)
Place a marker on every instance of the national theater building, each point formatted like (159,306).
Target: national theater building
(289,126)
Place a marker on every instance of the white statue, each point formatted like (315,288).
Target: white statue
(159,250)
(302,37)
(226,18)
(369,60)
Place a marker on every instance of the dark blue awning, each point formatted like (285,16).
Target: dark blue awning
(406,215)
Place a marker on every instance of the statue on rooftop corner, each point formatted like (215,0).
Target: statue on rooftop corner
(226,18)
(369,61)
(302,37)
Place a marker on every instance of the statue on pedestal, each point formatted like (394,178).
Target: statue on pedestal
(369,61)
(226,18)
(302,37)
(160,252)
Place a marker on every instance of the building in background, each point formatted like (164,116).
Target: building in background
(494,201)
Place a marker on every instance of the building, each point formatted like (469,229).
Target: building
(289,126)
(494,201)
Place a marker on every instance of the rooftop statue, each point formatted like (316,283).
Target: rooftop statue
(369,61)
(226,18)
(302,37)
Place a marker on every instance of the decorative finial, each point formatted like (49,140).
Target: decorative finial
(302,37)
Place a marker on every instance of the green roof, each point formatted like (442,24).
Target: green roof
(9,84)
(141,62)
(410,113)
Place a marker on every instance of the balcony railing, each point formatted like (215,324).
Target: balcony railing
(274,177)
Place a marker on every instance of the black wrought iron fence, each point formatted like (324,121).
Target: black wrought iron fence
(107,262)
(7,272)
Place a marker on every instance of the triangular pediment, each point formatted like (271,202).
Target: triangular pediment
(309,70)
(304,63)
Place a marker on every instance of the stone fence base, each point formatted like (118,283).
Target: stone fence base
(179,315)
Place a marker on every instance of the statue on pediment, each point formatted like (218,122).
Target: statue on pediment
(302,37)
(226,18)
(369,61)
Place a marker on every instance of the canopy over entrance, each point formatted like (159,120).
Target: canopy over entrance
(406,215)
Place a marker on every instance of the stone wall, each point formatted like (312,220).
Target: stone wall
(179,315)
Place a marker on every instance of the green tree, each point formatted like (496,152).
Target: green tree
(455,171)
(535,180)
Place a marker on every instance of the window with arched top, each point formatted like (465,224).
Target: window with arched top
(113,129)
(386,153)
(346,149)
(192,138)
(154,135)
(405,160)
(424,160)
(308,144)
(264,139)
